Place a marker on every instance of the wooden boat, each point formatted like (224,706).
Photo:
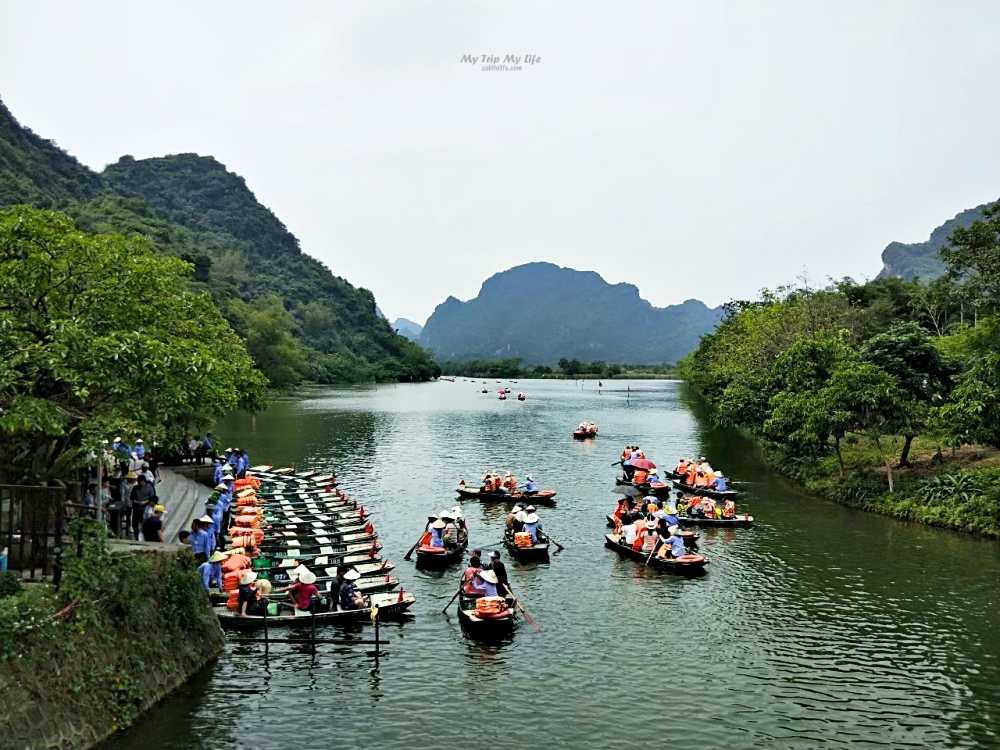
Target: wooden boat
(579,434)
(389,606)
(484,391)
(737,521)
(706,491)
(439,558)
(323,545)
(690,538)
(272,560)
(536,553)
(370,585)
(544,497)
(276,569)
(520,397)
(485,627)
(689,565)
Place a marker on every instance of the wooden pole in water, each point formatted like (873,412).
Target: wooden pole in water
(376,638)
(265,631)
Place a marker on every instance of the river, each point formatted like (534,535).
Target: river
(821,626)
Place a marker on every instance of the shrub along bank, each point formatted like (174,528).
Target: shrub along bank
(884,395)
(122,631)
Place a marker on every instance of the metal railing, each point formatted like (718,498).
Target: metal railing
(31,525)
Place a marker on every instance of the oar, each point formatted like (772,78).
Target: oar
(453,598)
(617,463)
(549,537)
(415,545)
(527,617)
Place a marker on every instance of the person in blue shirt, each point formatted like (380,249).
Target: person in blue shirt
(242,464)
(207,443)
(199,542)
(671,516)
(531,526)
(653,478)
(217,471)
(214,512)
(437,533)
(211,571)
(207,527)
(719,483)
(140,449)
(350,597)
(230,457)
(529,486)
(485,582)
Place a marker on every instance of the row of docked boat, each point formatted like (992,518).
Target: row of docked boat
(286,521)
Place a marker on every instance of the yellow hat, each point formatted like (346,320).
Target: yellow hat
(158,509)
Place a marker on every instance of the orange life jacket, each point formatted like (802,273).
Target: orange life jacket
(682,467)
(700,480)
(640,476)
(690,474)
(729,509)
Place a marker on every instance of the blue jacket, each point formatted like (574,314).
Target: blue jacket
(436,539)
(199,542)
(211,572)
(485,587)
(217,474)
(225,500)
(677,546)
(719,483)
(530,486)
(532,528)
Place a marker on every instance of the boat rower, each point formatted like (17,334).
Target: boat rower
(509,523)
(437,534)
(211,570)
(530,488)
(673,545)
(350,597)
(499,569)
(248,602)
(531,523)
(485,583)
(519,518)
(718,482)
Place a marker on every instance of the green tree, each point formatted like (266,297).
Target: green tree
(972,256)
(268,328)
(972,412)
(907,352)
(99,334)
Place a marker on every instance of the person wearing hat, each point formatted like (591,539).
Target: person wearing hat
(211,570)
(350,597)
(451,528)
(673,544)
(499,569)
(303,589)
(224,499)
(437,534)
(248,602)
(484,583)
(199,542)
(217,470)
(718,482)
(531,525)
(207,527)
(648,539)
(152,527)
(509,523)
(670,513)
(215,511)
(140,448)
(529,486)
(241,463)
(519,519)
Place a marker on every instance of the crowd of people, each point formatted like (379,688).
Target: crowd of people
(700,474)
(523,520)
(493,481)
(445,529)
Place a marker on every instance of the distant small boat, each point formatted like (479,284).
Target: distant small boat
(520,397)
(484,391)
(579,434)
(536,553)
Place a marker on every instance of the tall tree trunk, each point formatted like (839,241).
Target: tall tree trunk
(886,461)
(840,458)
(904,457)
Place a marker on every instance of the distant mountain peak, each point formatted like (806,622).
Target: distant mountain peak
(919,259)
(406,327)
(541,311)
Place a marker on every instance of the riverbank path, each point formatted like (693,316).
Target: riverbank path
(182,500)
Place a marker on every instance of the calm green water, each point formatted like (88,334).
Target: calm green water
(820,626)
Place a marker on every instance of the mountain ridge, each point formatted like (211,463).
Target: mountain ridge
(919,259)
(541,312)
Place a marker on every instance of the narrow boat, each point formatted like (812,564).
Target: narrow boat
(545,497)
(740,520)
(370,585)
(484,391)
(536,553)
(520,397)
(277,569)
(706,491)
(439,558)
(579,434)
(486,627)
(689,565)
(315,546)
(284,561)
(690,538)
(389,606)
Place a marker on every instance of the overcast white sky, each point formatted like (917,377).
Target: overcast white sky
(697,149)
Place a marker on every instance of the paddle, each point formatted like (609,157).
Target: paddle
(415,545)
(453,598)
(549,537)
(617,463)
(527,617)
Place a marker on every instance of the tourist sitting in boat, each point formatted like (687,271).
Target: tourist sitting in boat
(499,570)
(682,467)
(718,482)
(591,428)
(509,523)
(729,509)
(248,600)
(437,534)
(484,582)
(529,486)
(452,527)
(708,507)
(629,530)
(211,570)
(519,518)
(469,575)
(639,476)
(531,524)
(671,515)
(648,538)
(653,477)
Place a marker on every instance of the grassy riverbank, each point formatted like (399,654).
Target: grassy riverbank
(122,631)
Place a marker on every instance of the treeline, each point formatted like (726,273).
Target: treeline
(513,367)
(835,380)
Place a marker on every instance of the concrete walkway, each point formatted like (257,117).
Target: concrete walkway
(182,500)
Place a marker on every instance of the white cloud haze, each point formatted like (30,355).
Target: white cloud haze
(697,149)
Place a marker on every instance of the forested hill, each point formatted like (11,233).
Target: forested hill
(920,259)
(299,319)
(541,312)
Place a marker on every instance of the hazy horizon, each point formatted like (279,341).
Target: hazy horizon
(701,150)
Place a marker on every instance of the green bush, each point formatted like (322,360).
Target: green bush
(10,583)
